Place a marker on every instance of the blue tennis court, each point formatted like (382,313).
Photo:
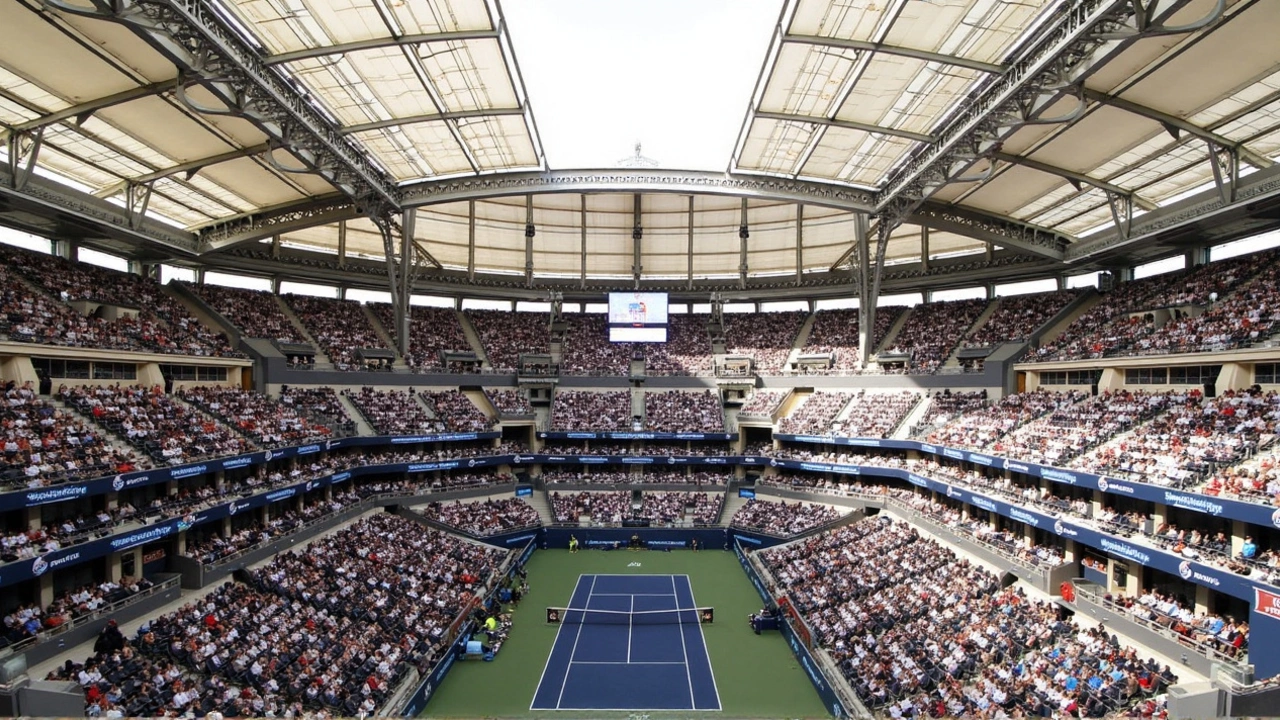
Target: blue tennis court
(629,661)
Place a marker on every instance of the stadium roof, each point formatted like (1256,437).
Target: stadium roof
(1064,131)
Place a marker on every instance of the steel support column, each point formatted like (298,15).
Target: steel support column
(689,254)
(471,240)
(582,223)
(342,243)
(799,244)
(637,237)
(743,233)
(529,232)
(924,248)
(408,224)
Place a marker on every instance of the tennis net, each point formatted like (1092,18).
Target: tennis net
(584,616)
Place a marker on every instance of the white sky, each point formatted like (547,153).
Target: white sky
(675,75)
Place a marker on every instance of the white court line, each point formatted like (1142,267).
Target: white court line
(552,651)
(602,662)
(632,594)
(564,683)
(545,665)
(684,648)
(706,650)
(630,620)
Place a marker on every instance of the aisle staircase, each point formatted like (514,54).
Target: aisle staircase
(321,356)
(540,503)
(731,504)
(363,426)
(953,357)
(384,334)
(801,339)
(473,338)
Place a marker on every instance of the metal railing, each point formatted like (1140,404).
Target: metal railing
(1206,649)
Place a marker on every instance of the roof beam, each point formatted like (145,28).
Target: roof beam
(850,125)
(81,112)
(189,168)
(1176,125)
(992,229)
(413,119)
(1076,179)
(895,50)
(379,43)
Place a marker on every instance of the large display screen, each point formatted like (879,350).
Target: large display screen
(638,309)
(637,334)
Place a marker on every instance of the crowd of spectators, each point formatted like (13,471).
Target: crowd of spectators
(978,430)
(28,620)
(815,414)
(782,518)
(1246,316)
(687,350)
(658,476)
(483,518)
(595,507)
(432,330)
(215,546)
(765,337)
(1017,316)
(1184,444)
(321,404)
(507,335)
(265,421)
(681,412)
(1223,634)
(597,476)
(394,412)
(1254,480)
(918,631)
(932,331)
(582,410)
(672,508)
(335,626)
(509,402)
(149,420)
(1069,430)
(341,327)
(1123,317)
(161,324)
(256,313)
(763,402)
(946,406)
(874,415)
(457,412)
(587,350)
(43,444)
(837,332)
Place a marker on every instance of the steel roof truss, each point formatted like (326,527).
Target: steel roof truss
(24,148)
(1225,161)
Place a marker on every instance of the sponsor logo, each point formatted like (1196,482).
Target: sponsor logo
(144,536)
(637,460)
(1102,484)
(236,507)
(39,567)
(188,471)
(48,496)
(773,462)
(981,459)
(861,442)
(555,458)
(713,461)
(330,444)
(1124,550)
(666,543)
(472,461)
(236,462)
(1275,517)
(1115,487)
(1017,467)
(1025,517)
(1188,572)
(751,460)
(520,538)
(952,492)
(929,448)
(117,483)
(816,467)
(917,480)
(983,503)
(580,436)
(1193,502)
(953,454)
(266,457)
(593,460)
(1267,602)
(310,485)
(1059,475)
(281,494)
(1058,527)
(308,449)
(671,461)
(341,477)
(745,539)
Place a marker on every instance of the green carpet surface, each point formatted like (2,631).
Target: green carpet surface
(757,675)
